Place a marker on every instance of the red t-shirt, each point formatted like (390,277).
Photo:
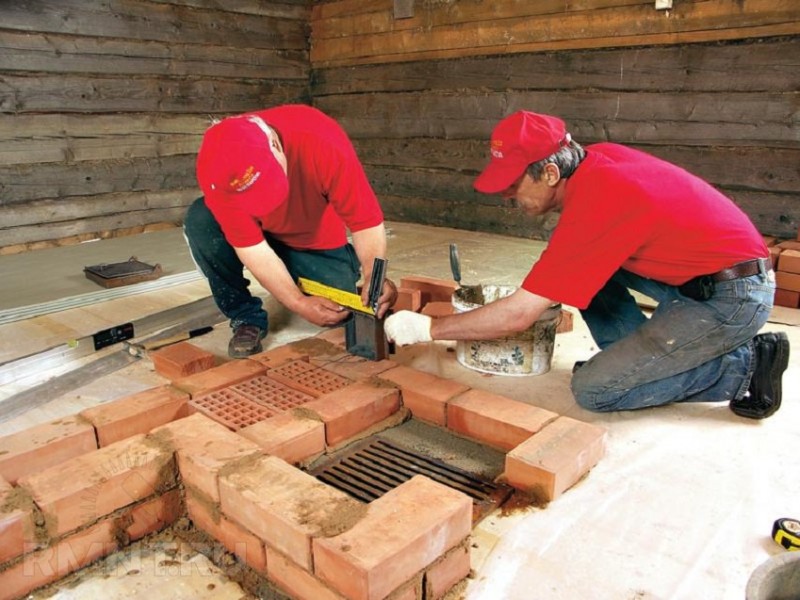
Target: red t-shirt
(627,209)
(328,189)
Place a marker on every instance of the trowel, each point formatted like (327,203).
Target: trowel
(472,293)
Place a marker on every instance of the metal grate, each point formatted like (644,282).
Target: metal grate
(377,466)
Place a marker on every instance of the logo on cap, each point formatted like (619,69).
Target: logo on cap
(246,180)
(496,149)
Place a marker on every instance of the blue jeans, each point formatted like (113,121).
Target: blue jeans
(687,351)
(218,261)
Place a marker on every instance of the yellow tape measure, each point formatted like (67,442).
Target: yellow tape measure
(787,533)
(341,297)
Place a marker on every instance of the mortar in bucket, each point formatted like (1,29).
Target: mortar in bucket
(529,352)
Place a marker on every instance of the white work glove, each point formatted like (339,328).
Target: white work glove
(407,327)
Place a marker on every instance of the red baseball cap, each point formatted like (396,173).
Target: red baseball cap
(517,141)
(235,165)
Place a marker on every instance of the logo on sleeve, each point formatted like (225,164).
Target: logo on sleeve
(245,181)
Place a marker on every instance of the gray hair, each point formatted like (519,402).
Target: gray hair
(566,159)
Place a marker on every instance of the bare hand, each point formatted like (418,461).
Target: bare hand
(322,311)
(385,301)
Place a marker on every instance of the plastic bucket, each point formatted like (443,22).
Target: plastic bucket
(529,352)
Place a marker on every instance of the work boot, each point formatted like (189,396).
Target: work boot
(763,396)
(246,340)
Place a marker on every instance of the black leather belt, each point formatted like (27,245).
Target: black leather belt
(743,269)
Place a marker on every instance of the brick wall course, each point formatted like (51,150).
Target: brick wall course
(425,395)
(290,436)
(17,522)
(556,458)
(395,540)
(220,377)
(153,515)
(495,420)
(446,572)
(298,583)
(44,446)
(137,413)
(286,507)
(431,289)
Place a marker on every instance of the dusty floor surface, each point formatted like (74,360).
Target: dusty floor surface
(681,507)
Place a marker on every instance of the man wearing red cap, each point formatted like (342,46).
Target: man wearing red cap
(281,189)
(630,221)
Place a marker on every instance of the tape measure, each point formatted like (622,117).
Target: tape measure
(341,297)
(787,533)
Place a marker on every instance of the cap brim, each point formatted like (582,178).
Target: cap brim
(497,178)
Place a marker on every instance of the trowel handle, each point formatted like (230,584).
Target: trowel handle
(455,263)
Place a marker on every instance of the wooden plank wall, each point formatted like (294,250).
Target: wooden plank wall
(711,85)
(103,105)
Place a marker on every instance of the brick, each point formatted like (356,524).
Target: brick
(181,360)
(220,377)
(431,289)
(356,368)
(495,420)
(87,487)
(274,357)
(789,261)
(55,562)
(408,299)
(286,507)
(553,460)
(438,309)
(43,446)
(293,437)
(17,524)
(295,581)
(237,540)
(770,240)
(789,245)
(138,413)
(307,378)
(204,448)
(787,298)
(230,408)
(334,335)
(351,410)
(395,539)
(447,572)
(154,515)
(787,281)
(774,256)
(425,395)
(565,321)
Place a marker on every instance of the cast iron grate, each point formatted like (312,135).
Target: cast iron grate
(377,466)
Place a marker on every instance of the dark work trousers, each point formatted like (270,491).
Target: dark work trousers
(218,261)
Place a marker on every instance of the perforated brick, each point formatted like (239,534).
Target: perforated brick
(270,393)
(307,378)
(231,409)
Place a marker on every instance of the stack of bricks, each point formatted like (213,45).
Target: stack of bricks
(77,489)
(433,297)
(786,262)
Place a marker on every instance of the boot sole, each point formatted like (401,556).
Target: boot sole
(779,366)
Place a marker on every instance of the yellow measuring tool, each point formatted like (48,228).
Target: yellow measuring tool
(787,533)
(341,297)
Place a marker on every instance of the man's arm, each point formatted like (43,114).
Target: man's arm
(370,244)
(502,318)
(272,274)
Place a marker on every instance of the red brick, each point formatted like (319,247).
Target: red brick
(351,410)
(333,335)
(774,255)
(789,261)
(447,572)
(274,357)
(438,309)
(88,487)
(295,581)
(408,299)
(17,528)
(43,446)
(789,245)
(307,378)
(233,537)
(230,408)
(356,368)
(788,281)
(153,515)
(285,507)
(181,360)
(204,448)
(220,377)
(495,420)
(395,539)
(425,395)
(787,298)
(431,289)
(138,413)
(51,564)
(565,321)
(554,459)
(290,436)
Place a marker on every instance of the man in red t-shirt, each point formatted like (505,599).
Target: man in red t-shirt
(631,221)
(282,187)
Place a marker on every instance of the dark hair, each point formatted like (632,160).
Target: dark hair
(566,159)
